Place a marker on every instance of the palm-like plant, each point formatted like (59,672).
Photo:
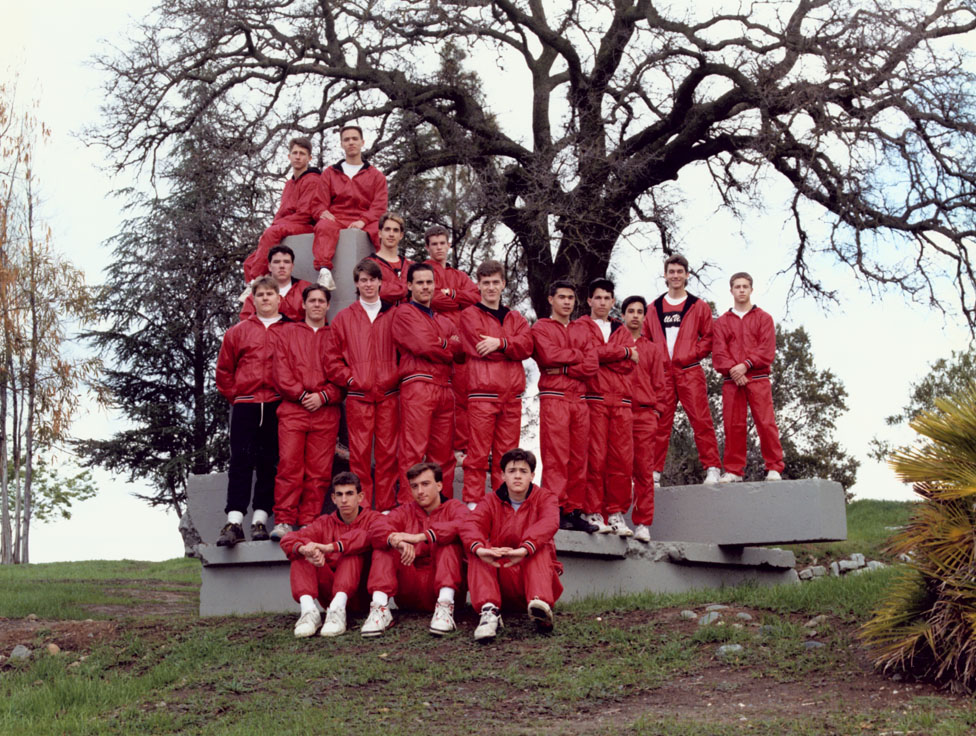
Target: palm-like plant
(926,628)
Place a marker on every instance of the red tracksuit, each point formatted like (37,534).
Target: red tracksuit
(306,439)
(610,459)
(685,377)
(750,340)
(394,287)
(496,523)
(343,569)
(564,418)
(648,405)
(363,358)
(295,216)
(438,562)
(363,198)
(427,352)
(292,306)
(463,293)
(495,386)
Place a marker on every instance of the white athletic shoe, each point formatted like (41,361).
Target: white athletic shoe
(442,622)
(378,620)
(325,279)
(657,477)
(619,525)
(491,621)
(307,624)
(730,478)
(711,477)
(597,520)
(642,533)
(280,530)
(472,505)
(244,294)
(773,475)
(335,622)
(541,613)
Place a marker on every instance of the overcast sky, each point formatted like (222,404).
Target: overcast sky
(877,346)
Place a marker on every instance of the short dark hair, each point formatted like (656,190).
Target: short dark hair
(516,455)
(740,275)
(601,283)
(345,478)
(369,267)
(418,267)
(267,281)
(350,126)
(678,259)
(315,287)
(561,284)
(300,141)
(489,268)
(396,217)
(436,230)
(419,468)
(634,299)
(281,249)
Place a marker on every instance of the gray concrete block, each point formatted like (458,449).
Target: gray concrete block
(692,553)
(603,546)
(354,245)
(753,514)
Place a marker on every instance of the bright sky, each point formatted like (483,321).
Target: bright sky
(877,347)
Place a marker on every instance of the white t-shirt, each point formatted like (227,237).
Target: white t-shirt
(372,310)
(268,321)
(739,314)
(671,333)
(283,290)
(604,326)
(351,170)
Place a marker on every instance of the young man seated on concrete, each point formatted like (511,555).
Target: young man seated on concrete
(281,263)
(342,560)
(429,572)
(512,555)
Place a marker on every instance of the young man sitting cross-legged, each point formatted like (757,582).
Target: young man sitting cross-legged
(426,531)
(339,559)
(512,559)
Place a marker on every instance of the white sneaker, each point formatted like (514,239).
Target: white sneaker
(307,624)
(442,622)
(730,478)
(597,520)
(325,279)
(619,525)
(472,505)
(541,613)
(642,533)
(244,294)
(773,475)
(711,477)
(279,531)
(335,622)
(378,620)
(657,477)
(491,621)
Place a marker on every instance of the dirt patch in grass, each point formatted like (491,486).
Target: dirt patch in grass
(70,636)
(178,599)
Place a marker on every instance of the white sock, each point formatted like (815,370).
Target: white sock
(260,517)
(380,598)
(235,517)
(445,595)
(339,602)
(307,603)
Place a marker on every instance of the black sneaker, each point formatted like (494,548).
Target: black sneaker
(230,535)
(579,524)
(565,520)
(259,532)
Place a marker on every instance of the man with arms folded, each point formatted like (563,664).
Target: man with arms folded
(512,555)
(429,572)
(281,262)
(683,323)
(496,340)
(566,362)
(342,556)
(743,352)
(352,194)
(393,265)
(244,379)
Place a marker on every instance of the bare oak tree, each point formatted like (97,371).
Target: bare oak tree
(862,108)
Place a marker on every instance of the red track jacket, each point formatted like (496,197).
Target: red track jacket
(291,305)
(299,363)
(423,339)
(750,340)
(443,526)
(394,287)
(613,382)
(463,294)
(495,523)
(649,375)
(362,356)
(362,197)
(244,366)
(369,530)
(566,347)
(498,375)
(300,198)
(694,337)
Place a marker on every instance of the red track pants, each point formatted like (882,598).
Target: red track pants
(690,388)
(327,238)
(495,427)
(306,447)
(419,583)
(536,576)
(256,264)
(564,435)
(645,429)
(373,429)
(426,432)
(758,395)
(610,460)
(345,575)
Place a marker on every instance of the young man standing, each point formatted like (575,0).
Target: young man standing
(308,418)
(244,379)
(683,323)
(743,352)
(647,407)
(363,358)
(329,558)
(352,195)
(429,573)
(610,460)
(281,262)
(429,344)
(496,340)
(512,560)
(566,362)
(394,266)
(295,215)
